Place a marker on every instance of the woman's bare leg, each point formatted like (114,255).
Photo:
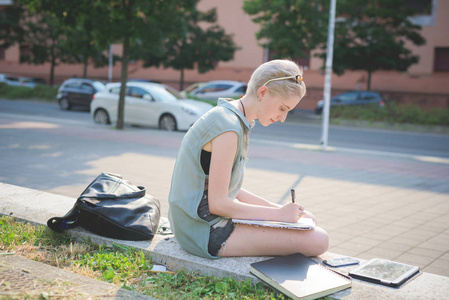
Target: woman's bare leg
(250,240)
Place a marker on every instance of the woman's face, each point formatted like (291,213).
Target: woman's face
(275,108)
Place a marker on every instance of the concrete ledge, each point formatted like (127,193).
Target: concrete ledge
(37,207)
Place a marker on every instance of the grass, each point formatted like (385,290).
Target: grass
(392,113)
(39,92)
(123,266)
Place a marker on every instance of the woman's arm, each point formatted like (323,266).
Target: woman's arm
(248,197)
(224,148)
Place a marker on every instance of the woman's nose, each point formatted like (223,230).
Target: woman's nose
(282,117)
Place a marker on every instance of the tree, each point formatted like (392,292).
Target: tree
(371,36)
(44,34)
(11,31)
(133,23)
(51,39)
(197,46)
(80,45)
(136,23)
(291,28)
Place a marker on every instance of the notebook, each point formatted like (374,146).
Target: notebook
(302,224)
(299,277)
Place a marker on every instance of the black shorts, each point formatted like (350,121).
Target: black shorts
(220,231)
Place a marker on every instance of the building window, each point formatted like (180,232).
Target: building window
(25,53)
(426,11)
(441,62)
(305,62)
(2,53)
(422,7)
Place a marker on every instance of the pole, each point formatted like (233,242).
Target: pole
(111,57)
(328,74)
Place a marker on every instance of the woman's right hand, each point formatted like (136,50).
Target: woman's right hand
(291,212)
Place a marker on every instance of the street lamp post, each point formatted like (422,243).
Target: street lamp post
(328,74)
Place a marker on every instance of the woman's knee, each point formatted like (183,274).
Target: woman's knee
(317,243)
(322,241)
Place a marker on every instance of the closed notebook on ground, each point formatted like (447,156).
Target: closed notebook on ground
(299,277)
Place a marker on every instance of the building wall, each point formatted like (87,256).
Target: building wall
(234,20)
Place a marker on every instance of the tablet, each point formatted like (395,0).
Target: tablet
(384,272)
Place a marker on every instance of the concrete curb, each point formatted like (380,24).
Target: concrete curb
(37,207)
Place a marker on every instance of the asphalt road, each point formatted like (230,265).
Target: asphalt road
(299,128)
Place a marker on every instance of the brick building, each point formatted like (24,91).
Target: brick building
(425,84)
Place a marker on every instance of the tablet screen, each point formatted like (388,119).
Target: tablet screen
(385,270)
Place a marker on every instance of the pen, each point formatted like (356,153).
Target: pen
(293,195)
(339,273)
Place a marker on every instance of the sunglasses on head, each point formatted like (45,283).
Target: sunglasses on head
(298,79)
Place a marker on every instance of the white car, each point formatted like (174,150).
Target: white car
(147,104)
(9,80)
(213,90)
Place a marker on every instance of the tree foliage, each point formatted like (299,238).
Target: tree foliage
(289,27)
(11,31)
(370,35)
(198,45)
(56,36)
(43,34)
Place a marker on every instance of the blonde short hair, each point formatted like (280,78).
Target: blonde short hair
(276,69)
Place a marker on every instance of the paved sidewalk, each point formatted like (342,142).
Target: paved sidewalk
(372,205)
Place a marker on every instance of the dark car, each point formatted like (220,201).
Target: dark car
(77,92)
(352,98)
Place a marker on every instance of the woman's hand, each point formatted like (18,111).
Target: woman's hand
(291,212)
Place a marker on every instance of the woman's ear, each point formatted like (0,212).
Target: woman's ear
(261,92)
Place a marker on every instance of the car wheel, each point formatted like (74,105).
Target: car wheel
(101,117)
(64,104)
(167,122)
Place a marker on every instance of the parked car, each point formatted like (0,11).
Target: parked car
(77,92)
(142,80)
(31,81)
(191,88)
(9,80)
(147,104)
(213,90)
(352,98)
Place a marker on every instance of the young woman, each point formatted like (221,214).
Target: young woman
(206,185)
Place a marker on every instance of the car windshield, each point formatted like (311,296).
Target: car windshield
(347,97)
(174,92)
(164,93)
(98,85)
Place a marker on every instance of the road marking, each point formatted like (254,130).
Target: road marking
(43,119)
(313,147)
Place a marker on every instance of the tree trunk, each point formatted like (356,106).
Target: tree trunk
(181,82)
(52,62)
(124,79)
(85,63)
(368,81)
